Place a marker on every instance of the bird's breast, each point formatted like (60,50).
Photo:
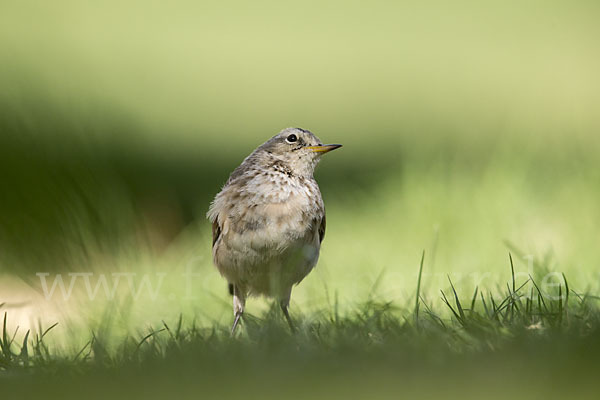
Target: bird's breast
(275,224)
(268,224)
(272,213)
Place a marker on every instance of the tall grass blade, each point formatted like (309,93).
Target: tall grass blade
(445,300)
(540,295)
(473,299)
(24,350)
(458,305)
(566,291)
(512,271)
(419,287)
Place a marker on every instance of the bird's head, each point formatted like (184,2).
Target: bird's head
(298,149)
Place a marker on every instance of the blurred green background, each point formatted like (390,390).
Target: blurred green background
(470,129)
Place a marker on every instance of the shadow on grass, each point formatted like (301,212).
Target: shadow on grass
(82,183)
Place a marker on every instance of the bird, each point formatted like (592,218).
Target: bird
(268,220)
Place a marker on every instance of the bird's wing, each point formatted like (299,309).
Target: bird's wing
(216,231)
(322,229)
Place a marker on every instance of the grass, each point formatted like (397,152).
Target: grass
(483,342)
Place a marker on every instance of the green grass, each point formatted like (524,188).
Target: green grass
(511,342)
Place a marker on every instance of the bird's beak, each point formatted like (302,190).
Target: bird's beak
(324,148)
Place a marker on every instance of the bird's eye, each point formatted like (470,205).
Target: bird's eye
(292,138)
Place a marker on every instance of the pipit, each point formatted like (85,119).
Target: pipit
(268,221)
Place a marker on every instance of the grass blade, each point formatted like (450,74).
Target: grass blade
(419,287)
(458,305)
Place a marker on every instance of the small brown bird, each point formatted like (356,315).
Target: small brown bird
(268,221)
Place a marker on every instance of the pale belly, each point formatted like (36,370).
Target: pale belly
(266,261)
(269,242)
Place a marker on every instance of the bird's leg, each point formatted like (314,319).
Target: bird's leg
(235,322)
(286,314)
(239,301)
(284,303)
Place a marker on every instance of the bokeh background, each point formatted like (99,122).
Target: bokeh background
(470,129)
